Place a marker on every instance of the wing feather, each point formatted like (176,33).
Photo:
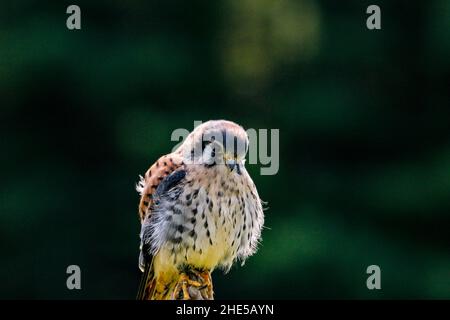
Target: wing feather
(158,179)
(148,184)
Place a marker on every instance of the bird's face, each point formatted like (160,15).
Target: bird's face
(217,143)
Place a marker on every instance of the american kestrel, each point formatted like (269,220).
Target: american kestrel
(199,211)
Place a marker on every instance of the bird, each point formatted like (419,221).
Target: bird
(199,211)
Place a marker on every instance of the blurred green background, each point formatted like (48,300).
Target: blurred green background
(364,119)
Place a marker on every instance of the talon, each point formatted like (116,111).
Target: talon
(206,276)
(182,286)
(206,287)
(186,295)
(185,278)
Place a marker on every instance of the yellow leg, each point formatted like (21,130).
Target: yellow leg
(206,276)
(206,288)
(183,282)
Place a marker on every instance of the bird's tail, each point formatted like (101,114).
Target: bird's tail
(154,288)
(147,285)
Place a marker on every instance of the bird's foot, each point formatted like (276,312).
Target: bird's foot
(194,284)
(207,282)
(184,281)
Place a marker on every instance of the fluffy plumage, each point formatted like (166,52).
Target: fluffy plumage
(199,209)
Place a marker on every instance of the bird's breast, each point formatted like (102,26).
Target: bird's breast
(207,222)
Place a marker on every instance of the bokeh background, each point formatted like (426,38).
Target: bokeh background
(364,119)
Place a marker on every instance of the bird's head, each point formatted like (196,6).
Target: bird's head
(216,142)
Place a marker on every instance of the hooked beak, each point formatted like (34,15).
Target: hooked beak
(231,164)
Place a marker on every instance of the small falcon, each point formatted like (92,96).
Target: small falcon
(199,211)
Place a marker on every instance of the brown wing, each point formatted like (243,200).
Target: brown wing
(154,175)
(163,167)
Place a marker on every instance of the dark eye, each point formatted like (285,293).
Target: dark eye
(212,157)
(204,144)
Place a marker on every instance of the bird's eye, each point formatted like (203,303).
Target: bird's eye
(209,155)
(204,144)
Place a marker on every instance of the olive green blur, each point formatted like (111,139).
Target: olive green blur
(364,120)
